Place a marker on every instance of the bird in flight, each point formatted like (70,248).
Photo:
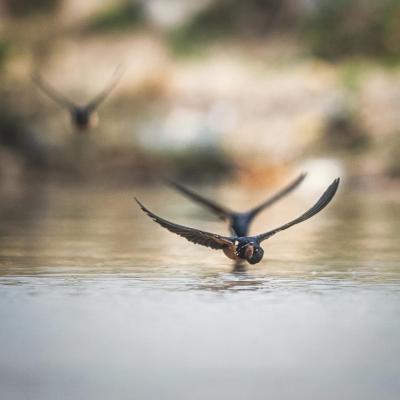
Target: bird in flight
(239,248)
(239,222)
(85,116)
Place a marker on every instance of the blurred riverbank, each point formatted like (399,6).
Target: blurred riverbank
(252,106)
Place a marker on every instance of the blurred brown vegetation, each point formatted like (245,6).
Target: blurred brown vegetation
(213,88)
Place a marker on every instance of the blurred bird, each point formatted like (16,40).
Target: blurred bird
(238,248)
(239,222)
(83,117)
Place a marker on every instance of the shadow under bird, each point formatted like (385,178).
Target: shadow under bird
(85,116)
(238,248)
(239,222)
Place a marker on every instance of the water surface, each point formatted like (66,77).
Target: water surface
(98,302)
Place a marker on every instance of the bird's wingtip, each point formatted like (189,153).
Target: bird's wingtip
(139,203)
(143,208)
(334,185)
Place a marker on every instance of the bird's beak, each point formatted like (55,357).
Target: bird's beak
(249,252)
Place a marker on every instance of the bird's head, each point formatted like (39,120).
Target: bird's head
(251,252)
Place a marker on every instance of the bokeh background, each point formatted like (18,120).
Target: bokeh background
(213,89)
(234,98)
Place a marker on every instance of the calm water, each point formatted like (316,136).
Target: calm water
(98,302)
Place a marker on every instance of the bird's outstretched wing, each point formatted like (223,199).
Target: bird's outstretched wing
(222,212)
(52,93)
(99,98)
(316,208)
(277,196)
(193,235)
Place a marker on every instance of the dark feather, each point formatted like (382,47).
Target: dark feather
(222,212)
(193,235)
(277,196)
(316,208)
(52,93)
(97,100)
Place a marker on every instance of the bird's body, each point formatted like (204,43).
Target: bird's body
(239,222)
(240,248)
(84,119)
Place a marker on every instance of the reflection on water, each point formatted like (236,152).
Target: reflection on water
(98,302)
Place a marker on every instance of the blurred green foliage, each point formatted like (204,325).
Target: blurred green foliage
(352,73)
(17,136)
(25,8)
(333,29)
(392,158)
(344,132)
(126,15)
(212,23)
(4,51)
(229,18)
(214,163)
(344,28)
